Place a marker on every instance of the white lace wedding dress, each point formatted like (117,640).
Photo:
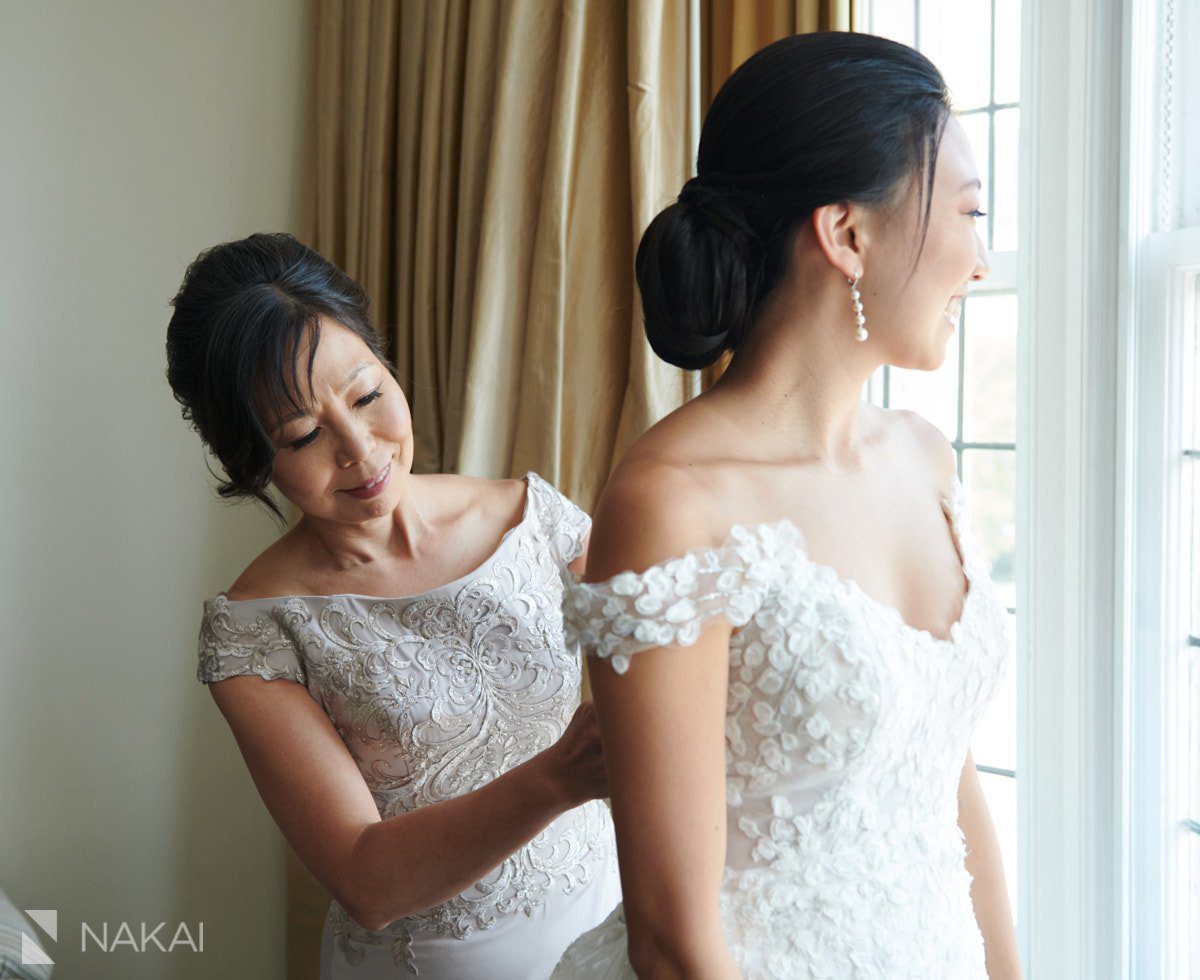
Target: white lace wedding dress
(846,733)
(436,695)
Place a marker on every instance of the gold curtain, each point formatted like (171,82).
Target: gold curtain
(732,30)
(485,169)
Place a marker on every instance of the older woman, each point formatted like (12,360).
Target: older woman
(393,667)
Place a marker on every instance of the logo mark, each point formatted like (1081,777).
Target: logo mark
(32,954)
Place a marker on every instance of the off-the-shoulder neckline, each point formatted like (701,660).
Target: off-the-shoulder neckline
(526,512)
(950,502)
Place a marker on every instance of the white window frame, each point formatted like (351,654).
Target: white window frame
(1168,277)
(1076,272)
(1103,334)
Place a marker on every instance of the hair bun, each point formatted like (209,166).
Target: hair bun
(699,269)
(725,207)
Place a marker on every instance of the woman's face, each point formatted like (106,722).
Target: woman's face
(346,458)
(911,312)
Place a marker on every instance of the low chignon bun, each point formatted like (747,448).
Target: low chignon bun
(699,269)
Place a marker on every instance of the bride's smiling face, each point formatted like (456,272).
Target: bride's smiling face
(912,310)
(345,456)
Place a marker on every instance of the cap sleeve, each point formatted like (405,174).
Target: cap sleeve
(249,643)
(562,524)
(670,603)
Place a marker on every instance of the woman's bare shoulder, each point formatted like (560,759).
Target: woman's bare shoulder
(655,506)
(472,504)
(271,573)
(928,443)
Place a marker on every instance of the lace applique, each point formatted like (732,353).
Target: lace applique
(435,695)
(670,603)
(846,731)
(562,524)
(231,646)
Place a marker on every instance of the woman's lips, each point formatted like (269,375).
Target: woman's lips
(374,486)
(953,310)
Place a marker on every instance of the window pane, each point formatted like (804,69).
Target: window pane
(976,126)
(1190,489)
(1004,205)
(990,479)
(1001,795)
(1008,50)
(955,36)
(995,741)
(990,388)
(873,389)
(1192,751)
(1192,920)
(1191,555)
(1191,439)
(931,394)
(894,19)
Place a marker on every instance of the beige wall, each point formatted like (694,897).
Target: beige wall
(132,134)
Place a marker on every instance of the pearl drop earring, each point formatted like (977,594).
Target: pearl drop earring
(861,333)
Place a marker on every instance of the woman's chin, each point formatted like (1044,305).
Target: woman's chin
(929,359)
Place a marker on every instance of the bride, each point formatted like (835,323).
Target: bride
(792,635)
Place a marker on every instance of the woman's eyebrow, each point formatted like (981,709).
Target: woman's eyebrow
(300,413)
(974,182)
(355,373)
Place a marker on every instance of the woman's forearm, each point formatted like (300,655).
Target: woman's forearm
(989,891)
(676,955)
(414,861)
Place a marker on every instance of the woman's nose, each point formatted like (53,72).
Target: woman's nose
(355,443)
(982,266)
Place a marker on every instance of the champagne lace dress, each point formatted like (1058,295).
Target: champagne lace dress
(846,734)
(436,695)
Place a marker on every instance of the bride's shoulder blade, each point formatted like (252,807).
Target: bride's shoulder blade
(653,508)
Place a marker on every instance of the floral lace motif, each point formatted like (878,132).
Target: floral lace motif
(436,695)
(846,732)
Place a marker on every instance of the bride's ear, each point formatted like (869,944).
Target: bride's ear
(840,234)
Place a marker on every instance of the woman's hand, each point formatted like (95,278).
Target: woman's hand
(576,761)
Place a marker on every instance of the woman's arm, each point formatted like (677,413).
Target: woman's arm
(579,565)
(663,727)
(382,870)
(989,893)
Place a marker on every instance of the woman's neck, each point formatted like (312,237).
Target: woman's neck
(800,372)
(343,547)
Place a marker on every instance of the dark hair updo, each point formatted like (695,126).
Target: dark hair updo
(234,342)
(812,119)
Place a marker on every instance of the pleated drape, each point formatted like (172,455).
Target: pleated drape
(485,168)
(732,30)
